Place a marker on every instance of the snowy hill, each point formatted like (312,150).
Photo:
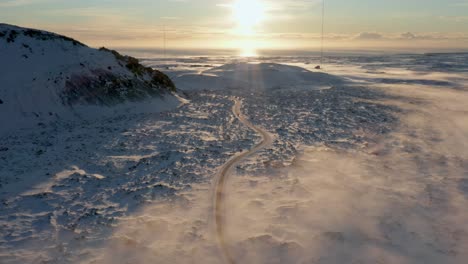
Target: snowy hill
(45,77)
(257,76)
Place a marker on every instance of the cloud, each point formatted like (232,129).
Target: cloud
(283,9)
(170,18)
(412,36)
(408,35)
(14,3)
(369,36)
(455,18)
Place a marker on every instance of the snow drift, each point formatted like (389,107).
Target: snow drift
(45,77)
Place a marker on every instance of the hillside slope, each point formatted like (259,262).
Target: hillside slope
(45,76)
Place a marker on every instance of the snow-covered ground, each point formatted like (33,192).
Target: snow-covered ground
(45,77)
(369,165)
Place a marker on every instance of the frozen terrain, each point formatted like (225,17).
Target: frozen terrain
(256,77)
(368,164)
(45,77)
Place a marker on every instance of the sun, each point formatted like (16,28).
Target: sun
(248,14)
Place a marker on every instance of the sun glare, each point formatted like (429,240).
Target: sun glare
(248,51)
(248,14)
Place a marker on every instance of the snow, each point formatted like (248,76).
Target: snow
(34,73)
(256,76)
(372,169)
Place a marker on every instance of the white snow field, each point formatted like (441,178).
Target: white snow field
(369,164)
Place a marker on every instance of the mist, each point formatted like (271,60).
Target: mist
(402,199)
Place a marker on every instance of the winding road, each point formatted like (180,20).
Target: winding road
(223,175)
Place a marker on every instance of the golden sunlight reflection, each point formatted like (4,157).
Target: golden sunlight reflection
(248,52)
(248,48)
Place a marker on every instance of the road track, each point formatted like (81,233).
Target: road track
(223,175)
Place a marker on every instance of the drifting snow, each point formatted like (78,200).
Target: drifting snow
(372,170)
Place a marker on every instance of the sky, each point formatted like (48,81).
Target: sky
(249,24)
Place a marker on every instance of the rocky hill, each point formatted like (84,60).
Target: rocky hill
(44,75)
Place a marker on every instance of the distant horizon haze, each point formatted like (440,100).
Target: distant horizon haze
(251,25)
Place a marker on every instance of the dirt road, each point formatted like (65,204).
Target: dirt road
(223,174)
